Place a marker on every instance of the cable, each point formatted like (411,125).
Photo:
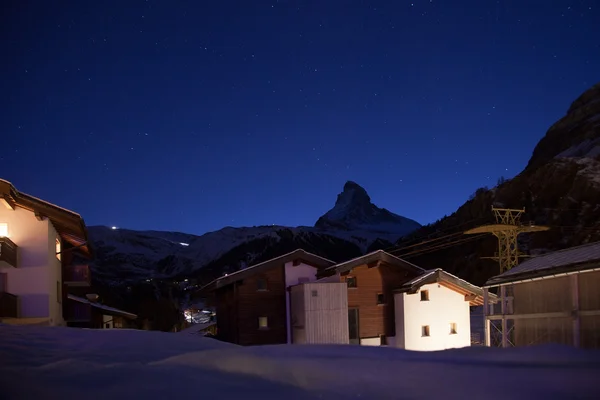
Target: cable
(441,246)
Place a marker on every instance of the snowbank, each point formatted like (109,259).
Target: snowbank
(48,363)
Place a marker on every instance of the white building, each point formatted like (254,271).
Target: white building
(432,312)
(37,269)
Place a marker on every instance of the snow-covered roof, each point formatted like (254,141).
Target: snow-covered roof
(378,255)
(103,307)
(196,329)
(299,254)
(572,259)
(450,281)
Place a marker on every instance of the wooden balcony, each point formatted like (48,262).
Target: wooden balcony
(8,253)
(9,305)
(77,275)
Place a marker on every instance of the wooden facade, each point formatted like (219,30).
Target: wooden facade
(243,305)
(553,298)
(251,304)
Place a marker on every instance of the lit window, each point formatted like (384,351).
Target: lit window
(3,229)
(263,322)
(424,295)
(380,298)
(261,284)
(425,330)
(57,248)
(351,281)
(453,328)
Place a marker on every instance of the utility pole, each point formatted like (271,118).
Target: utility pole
(507,228)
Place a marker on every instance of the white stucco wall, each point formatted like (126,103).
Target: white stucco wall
(34,280)
(294,274)
(444,307)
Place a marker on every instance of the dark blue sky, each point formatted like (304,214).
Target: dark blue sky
(194,115)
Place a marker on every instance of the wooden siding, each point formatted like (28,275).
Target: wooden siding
(319,313)
(543,296)
(240,305)
(589,288)
(590,332)
(535,331)
(376,319)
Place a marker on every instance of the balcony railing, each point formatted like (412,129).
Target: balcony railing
(8,253)
(77,275)
(9,305)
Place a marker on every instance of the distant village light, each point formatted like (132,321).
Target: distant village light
(114,227)
(184,244)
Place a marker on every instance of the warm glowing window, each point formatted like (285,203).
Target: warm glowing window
(425,330)
(453,328)
(263,322)
(57,248)
(424,295)
(3,229)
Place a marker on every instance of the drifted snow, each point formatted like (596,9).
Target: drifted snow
(58,363)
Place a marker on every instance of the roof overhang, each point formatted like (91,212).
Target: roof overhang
(473,294)
(297,257)
(547,273)
(371,260)
(69,225)
(105,309)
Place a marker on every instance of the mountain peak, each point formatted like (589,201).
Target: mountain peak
(353,210)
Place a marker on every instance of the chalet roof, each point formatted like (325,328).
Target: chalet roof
(198,329)
(69,225)
(373,257)
(108,310)
(569,260)
(438,275)
(299,254)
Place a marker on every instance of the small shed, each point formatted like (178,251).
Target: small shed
(552,298)
(319,313)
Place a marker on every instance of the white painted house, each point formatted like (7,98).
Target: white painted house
(432,312)
(37,268)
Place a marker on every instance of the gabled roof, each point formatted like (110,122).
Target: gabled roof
(569,260)
(108,310)
(296,255)
(69,225)
(472,293)
(372,258)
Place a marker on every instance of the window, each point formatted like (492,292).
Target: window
(261,284)
(3,229)
(453,328)
(380,298)
(351,281)
(315,293)
(57,248)
(58,292)
(263,323)
(425,330)
(424,295)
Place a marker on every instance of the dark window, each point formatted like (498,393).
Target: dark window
(424,295)
(380,298)
(261,284)
(425,330)
(453,328)
(351,281)
(315,293)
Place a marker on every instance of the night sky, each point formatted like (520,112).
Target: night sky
(195,115)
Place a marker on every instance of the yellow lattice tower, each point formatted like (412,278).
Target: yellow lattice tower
(507,227)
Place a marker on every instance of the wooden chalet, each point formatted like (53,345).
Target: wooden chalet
(371,280)
(252,305)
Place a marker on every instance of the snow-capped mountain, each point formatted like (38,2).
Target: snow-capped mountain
(351,228)
(353,210)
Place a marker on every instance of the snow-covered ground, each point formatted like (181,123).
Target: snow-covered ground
(64,363)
